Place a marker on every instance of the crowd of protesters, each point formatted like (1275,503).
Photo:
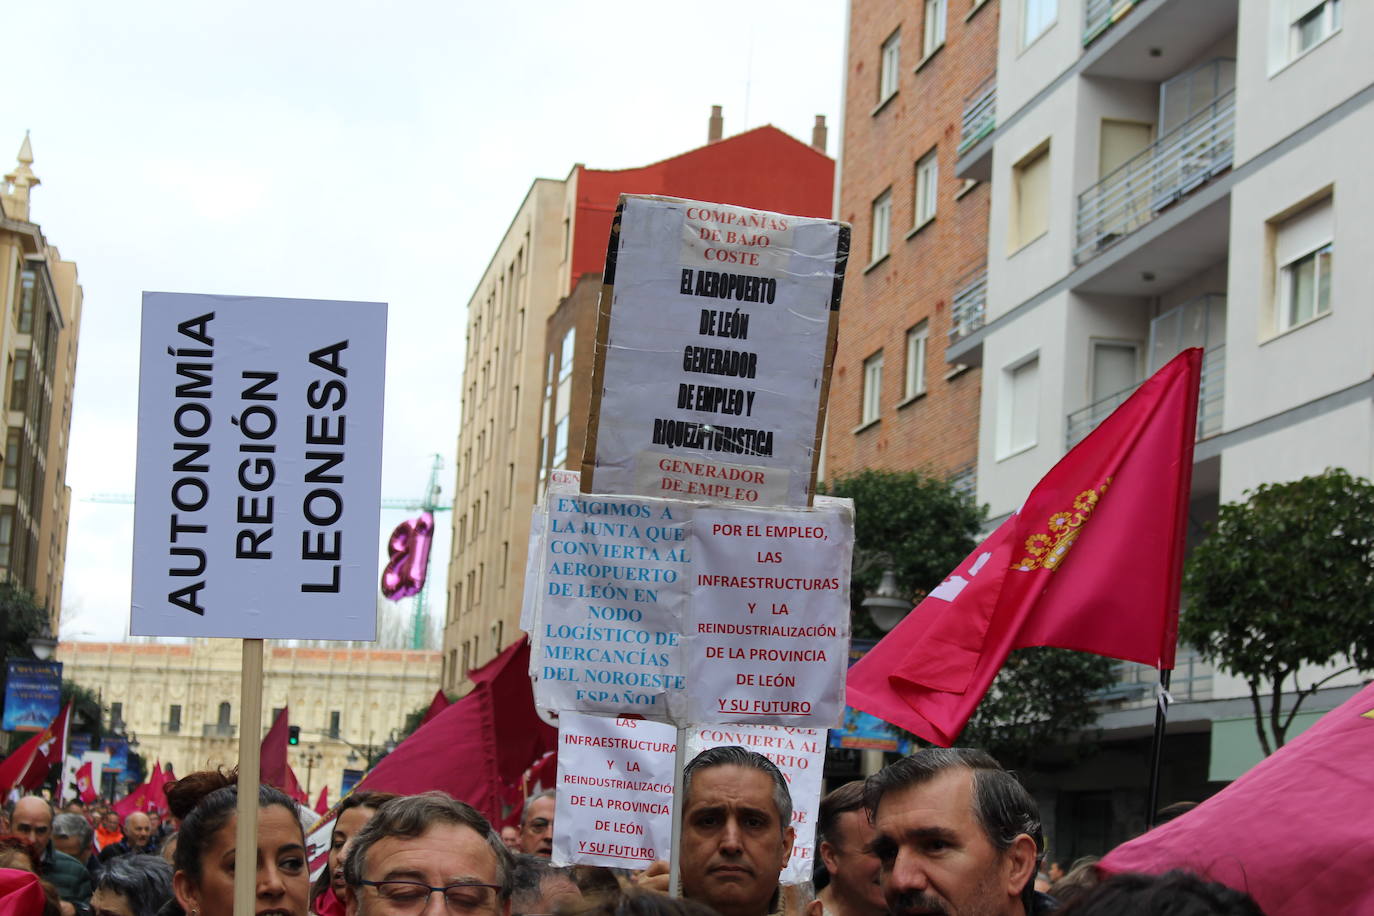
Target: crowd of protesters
(940,832)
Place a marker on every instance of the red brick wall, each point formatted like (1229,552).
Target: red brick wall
(916,282)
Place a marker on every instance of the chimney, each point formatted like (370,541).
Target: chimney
(716,127)
(819,134)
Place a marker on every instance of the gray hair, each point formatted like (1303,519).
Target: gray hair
(144,881)
(525,811)
(73,825)
(1003,807)
(527,881)
(409,817)
(732,755)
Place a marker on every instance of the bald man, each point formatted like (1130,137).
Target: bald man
(138,838)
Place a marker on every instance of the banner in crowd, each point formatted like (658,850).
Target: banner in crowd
(259,467)
(33,694)
(713,352)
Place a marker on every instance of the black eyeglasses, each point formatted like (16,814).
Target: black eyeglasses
(413,897)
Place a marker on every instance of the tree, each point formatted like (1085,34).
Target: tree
(20,618)
(1285,580)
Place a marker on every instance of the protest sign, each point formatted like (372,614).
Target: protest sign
(770,614)
(32,694)
(800,754)
(615,791)
(713,352)
(259,466)
(609,635)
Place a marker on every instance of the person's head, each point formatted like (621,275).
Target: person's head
(425,841)
(32,819)
(109,821)
(844,833)
(955,834)
(1177,893)
(1081,877)
(1169,812)
(354,811)
(17,852)
(75,806)
(72,834)
(536,824)
(155,821)
(1055,871)
(206,803)
(539,889)
(136,885)
(736,830)
(510,835)
(138,829)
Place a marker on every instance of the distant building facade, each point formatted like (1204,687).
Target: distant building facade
(40,319)
(525,394)
(181,701)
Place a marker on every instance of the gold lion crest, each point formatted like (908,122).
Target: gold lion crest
(1047,549)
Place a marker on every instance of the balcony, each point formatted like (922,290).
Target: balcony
(1135,687)
(969,309)
(218,731)
(1209,402)
(978,123)
(1101,15)
(1167,171)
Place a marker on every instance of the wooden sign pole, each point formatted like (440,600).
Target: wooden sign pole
(250,774)
(675,851)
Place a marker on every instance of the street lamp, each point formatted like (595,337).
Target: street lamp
(43,644)
(886,606)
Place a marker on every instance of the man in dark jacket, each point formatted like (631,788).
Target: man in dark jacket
(32,819)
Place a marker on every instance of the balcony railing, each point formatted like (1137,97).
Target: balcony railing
(969,311)
(1171,168)
(1101,15)
(218,731)
(1135,686)
(980,114)
(1209,402)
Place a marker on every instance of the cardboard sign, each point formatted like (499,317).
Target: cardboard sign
(258,498)
(615,791)
(713,353)
(800,754)
(770,615)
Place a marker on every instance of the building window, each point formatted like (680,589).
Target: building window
(174,718)
(882,220)
(28,293)
(889,72)
(1036,17)
(6,534)
(934,32)
(873,387)
(14,443)
(927,185)
(1030,198)
(467,658)
(19,380)
(1304,254)
(116,715)
(916,360)
(1312,22)
(334,717)
(497,631)
(1019,406)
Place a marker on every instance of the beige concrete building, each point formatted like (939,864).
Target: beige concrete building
(182,701)
(40,317)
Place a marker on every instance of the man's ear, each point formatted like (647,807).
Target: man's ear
(1019,862)
(789,837)
(828,859)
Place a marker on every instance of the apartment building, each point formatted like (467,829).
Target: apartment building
(527,370)
(918,262)
(1165,174)
(40,318)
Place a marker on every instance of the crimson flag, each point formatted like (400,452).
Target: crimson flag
(322,806)
(85,783)
(522,737)
(1119,501)
(137,800)
(1290,831)
(157,796)
(274,768)
(436,706)
(28,765)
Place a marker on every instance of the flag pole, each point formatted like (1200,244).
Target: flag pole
(250,770)
(1157,749)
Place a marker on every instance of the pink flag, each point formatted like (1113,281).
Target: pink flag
(85,783)
(1293,832)
(322,806)
(1119,502)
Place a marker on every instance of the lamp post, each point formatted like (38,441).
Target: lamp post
(886,606)
(312,758)
(42,643)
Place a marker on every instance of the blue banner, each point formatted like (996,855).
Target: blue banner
(118,749)
(78,745)
(861,730)
(33,694)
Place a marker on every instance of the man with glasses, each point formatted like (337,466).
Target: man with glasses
(32,820)
(420,846)
(536,825)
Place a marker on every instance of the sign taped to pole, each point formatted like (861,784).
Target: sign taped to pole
(258,489)
(615,791)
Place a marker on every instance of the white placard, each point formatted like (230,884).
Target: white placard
(258,492)
(612,590)
(615,791)
(317,845)
(770,615)
(800,754)
(714,363)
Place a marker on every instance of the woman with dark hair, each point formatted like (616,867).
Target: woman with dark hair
(136,885)
(1177,893)
(206,804)
(327,893)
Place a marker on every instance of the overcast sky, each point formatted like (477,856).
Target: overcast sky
(348,150)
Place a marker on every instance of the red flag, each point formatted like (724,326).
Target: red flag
(85,783)
(137,800)
(28,766)
(1290,832)
(1119,502)
(521,736)
(322,806)
(436,706)
(274,768)
(157,797)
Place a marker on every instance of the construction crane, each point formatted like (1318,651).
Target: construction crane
(429,502)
